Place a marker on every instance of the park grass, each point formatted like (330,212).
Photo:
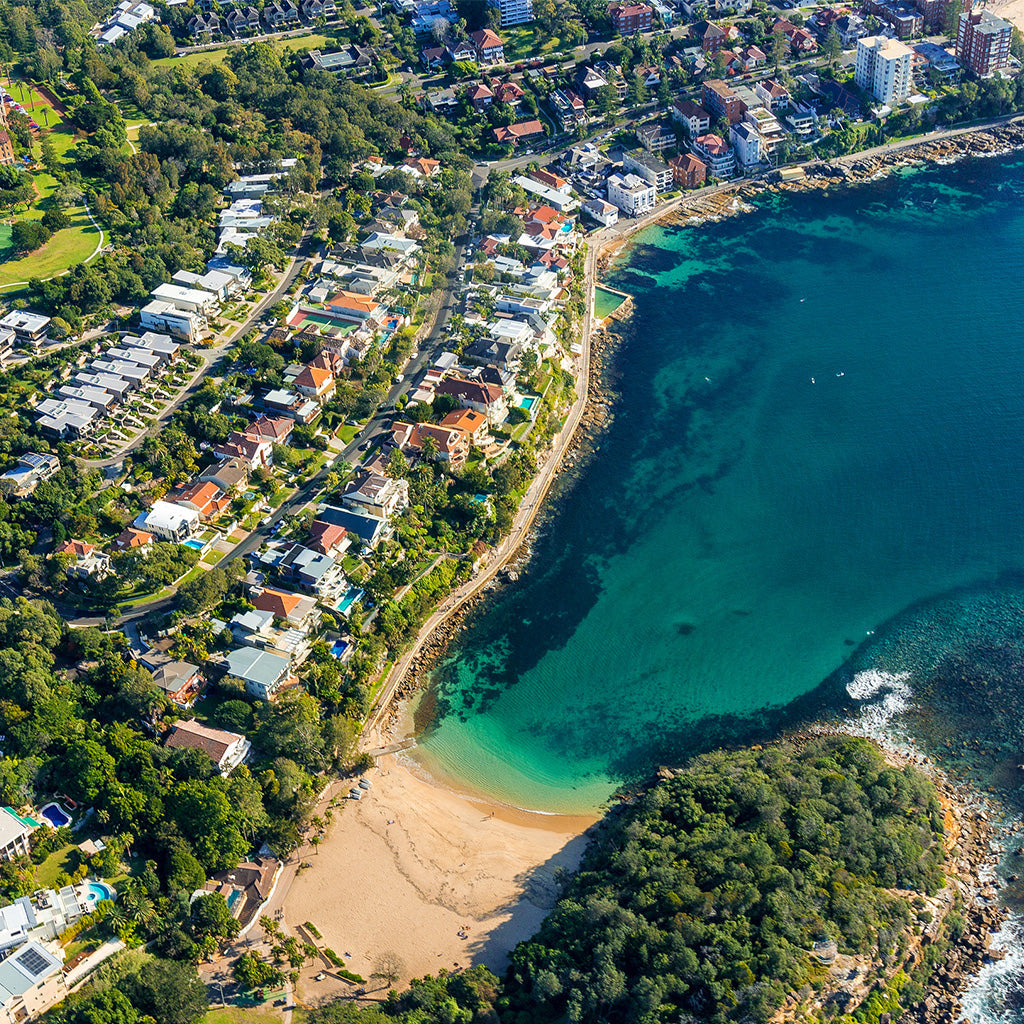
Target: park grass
(68,247)
(241,1015)
(520,43)
(311,41)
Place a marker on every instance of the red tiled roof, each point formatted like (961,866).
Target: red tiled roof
(78,548)
(281,602)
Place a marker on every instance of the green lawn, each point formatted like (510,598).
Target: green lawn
(313,41)
(67,248)
(520,43)
(58,861)
(241,1015)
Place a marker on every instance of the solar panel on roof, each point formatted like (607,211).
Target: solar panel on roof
(33,961)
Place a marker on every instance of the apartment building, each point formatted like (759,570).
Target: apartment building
(883,68)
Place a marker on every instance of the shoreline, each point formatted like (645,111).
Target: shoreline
(996,137)
(379,846)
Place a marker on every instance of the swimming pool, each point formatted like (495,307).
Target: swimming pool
(338,648)
(96,891)
(196,545)
(348,599)
(55,815)
(528,402)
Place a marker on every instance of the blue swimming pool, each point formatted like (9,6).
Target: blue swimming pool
(339,647)
(528,402)
(95,891)
(196,545)
(55,815)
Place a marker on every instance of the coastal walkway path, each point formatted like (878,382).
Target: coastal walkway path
(525,516)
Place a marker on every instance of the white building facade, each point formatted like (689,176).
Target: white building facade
(631,194)
(884,69)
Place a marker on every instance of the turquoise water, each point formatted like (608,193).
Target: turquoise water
(820,422)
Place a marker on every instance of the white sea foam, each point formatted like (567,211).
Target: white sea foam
(985,1002)
(885,695)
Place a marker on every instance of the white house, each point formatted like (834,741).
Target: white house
(169,521)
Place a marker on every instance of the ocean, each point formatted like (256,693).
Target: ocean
(808,504)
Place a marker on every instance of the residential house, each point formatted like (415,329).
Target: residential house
(480,96)
(319,9)
(89,561)
(370,529)
(31,981)
(450,444)
(589,81)
(262,672)
(247,887)
(182,681)
(315,382)
(378,495)
(631,194)
(773,94)
(169,521)
(460,49)
(716,154)
(281,14)
(353,307)
(206,498)
(688,171)
(568,108)
(627,18)
(203,24)
(298,610)
(242,19)
(491,351)
(230,475)
(227,750)
(510,93)
(753,57)
(489,48)
(131,539)
(471,422)
(313,571)
(292,404)
(721,101)
(514,134)
(254,452)
(327,538)
(603,212)
(850,28)
(696,118)
(31,469)
(14,833)
(485,398)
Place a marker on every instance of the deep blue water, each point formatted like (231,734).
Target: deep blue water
(819,423)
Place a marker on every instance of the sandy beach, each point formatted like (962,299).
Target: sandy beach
(410,866)
(1013,11)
